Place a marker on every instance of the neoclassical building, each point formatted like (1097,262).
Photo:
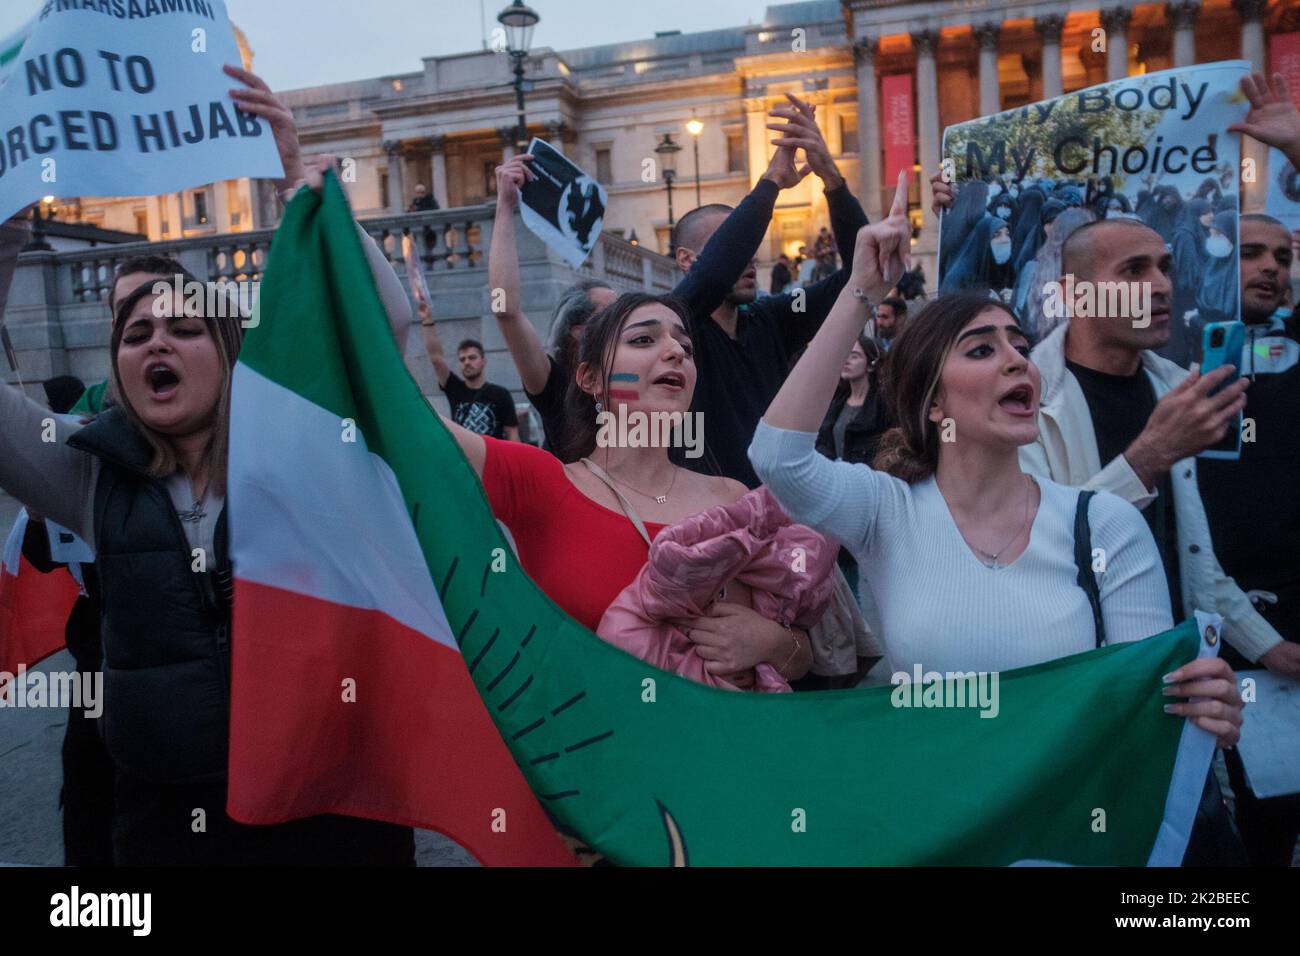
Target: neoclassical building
(448,124)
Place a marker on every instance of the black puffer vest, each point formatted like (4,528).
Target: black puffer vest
(166,630)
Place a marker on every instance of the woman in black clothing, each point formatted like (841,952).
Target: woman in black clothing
(853,425)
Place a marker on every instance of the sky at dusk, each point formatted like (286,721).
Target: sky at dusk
(309,42)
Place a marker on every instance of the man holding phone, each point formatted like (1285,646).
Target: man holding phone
(1117,417)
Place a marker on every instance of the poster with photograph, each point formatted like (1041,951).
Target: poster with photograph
(1152,148)
(1282,201)
(563,206)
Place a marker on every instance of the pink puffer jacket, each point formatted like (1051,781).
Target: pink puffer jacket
(788,566)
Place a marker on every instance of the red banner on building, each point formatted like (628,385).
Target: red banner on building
(900,127)
(1284,58)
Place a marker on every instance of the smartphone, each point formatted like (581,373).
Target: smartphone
(1222,344)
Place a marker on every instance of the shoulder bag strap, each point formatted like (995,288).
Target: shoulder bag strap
(1083,561)
(628,510)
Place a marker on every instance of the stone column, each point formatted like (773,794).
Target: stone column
(396,200)
(925,43)
(507,135)
(1182,17)
(1252,31)
(1049,29)
(1115,22)
(756,137)
(986,35)
(1252,49)
(438,169)
(175,215)
(154,207)
(864,51)
(219,215)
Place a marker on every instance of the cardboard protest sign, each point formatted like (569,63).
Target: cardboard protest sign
(1152,148)
(563,206)
(124,98)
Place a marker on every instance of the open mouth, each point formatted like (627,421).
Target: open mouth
(1268,288)
(671,380)
(1019,400)
(163,380)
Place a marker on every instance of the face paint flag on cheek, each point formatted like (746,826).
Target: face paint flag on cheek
(627,394)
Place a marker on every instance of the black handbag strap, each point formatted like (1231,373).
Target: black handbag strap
(1083,561)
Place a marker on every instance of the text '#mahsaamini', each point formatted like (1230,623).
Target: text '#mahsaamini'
(129,9)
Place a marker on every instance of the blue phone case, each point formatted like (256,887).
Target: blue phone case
(1228,352)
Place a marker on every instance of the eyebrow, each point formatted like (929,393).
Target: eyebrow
(677,327)
(1011,328)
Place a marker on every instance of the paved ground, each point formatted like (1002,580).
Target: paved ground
(30,776)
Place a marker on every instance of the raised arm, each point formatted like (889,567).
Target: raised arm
(503,280)
(36,465)
(880,258)
(433,344)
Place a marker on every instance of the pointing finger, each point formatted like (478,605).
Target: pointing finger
(899,208)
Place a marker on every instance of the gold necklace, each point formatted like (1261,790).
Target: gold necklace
(661,499)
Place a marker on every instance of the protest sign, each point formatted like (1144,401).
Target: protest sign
(1282,199)
(1152,148)
(563,206)
(124,98)
(1269,729)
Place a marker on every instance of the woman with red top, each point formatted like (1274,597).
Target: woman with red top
(575,537)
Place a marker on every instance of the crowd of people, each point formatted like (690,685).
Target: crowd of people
(932,462)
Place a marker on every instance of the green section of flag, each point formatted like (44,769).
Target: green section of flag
(653,769)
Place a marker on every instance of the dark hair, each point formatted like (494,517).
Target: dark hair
(573,311)
(228,335)
(471,344)
(871,351)
(62,392)
(897,304)
(910,450)
(600,335)
(683,231)
(144,265)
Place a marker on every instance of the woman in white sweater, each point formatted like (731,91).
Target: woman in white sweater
(970,559)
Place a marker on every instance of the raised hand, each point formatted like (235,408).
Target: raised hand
(941,191)
(511,177)
(1273,118)
(800,131)
(259,100)
(883,249)
(781,170)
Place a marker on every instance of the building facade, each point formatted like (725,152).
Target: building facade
(449,124)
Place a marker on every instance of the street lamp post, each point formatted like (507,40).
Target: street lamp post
(667,152)
(519,20)
(695,128)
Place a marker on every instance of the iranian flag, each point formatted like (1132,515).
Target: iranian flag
(391,657)
(34,607)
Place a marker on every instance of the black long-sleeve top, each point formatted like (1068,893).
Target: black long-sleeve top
(738,378)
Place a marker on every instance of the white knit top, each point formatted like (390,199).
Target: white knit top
(940,605)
